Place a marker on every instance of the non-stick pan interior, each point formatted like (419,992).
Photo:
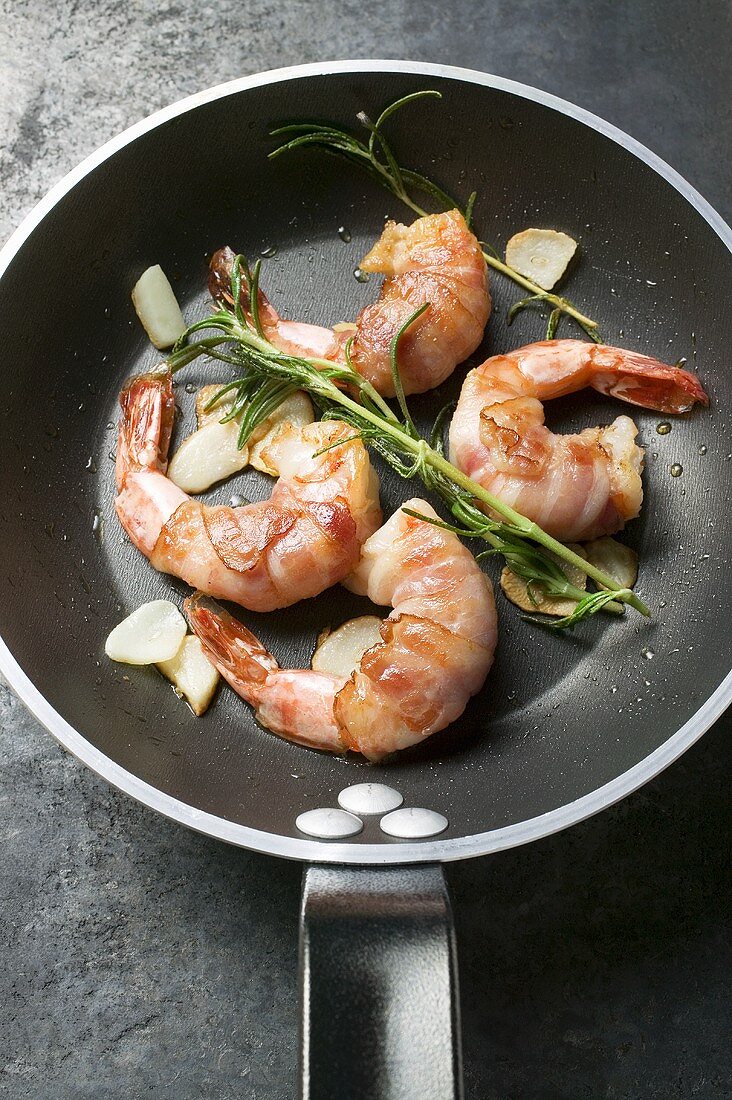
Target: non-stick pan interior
(559,716)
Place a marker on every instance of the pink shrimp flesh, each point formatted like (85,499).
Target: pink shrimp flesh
(436,649)
(265,555)
(574,486)
(436,260)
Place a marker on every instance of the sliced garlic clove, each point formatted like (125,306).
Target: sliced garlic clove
(339,652)
(157,307)
(192,674)
(209,455)
(152,633)
(220,409)
(541,255)
(516,589)
(618,561)
(297,409)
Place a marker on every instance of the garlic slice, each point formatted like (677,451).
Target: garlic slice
(152,633)
(541,255)
(219,410)
(209,455)
(339,652)
(157,307)
(192,674)
(516,588)
(297,409)
(615,559)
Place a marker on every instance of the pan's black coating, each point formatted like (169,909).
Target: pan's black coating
(558,717)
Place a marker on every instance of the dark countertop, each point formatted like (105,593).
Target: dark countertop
(143,960)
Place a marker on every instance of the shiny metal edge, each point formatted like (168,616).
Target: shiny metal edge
(325,851)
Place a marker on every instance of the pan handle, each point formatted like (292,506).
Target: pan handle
(378,985)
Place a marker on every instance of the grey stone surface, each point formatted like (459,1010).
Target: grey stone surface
(140,960)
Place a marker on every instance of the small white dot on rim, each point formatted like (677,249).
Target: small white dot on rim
(329,823)
(369,798)
(413,823)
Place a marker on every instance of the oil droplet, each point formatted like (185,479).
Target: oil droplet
(649,283)
(663,428)
(268,252)
(702,450)
(98,527)
(648,654)
(91,464)
(110,426)
(344,234)
(190,387)
(237,502)
(677,470)
(360,276)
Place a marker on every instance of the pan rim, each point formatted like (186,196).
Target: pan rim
(317,851)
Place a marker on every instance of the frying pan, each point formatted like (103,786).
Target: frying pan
(565,725)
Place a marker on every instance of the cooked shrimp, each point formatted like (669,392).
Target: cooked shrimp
(574,486)
(436,260)
(437,647)
(269,554)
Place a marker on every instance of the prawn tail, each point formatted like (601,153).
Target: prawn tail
(219,287)
(297,705)
(292,337)
(148,411)
(240,658)
(641,380)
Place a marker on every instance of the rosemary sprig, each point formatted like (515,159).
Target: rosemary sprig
(377,158)
(268,374)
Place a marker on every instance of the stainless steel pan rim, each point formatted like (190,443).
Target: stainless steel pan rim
(309,850)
